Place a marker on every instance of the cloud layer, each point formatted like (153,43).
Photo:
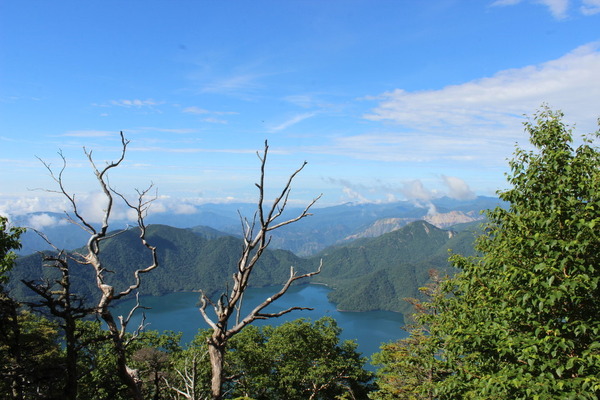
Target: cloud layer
(559,8)
(570,83)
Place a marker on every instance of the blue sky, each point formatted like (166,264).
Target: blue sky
(386,100)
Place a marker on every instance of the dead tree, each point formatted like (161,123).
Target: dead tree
(189,377)
(91,257)
(256,239)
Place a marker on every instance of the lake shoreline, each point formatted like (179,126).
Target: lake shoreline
(178,312)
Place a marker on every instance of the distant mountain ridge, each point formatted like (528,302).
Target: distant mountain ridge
(366,274)
(328,226)
(440,220)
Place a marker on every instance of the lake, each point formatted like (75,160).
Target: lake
(179,312)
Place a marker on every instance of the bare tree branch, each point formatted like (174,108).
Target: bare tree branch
(256,312)
(255,240)
(91,256)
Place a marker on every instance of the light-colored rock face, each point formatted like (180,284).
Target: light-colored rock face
(440,220)
(444,220)
(381,226)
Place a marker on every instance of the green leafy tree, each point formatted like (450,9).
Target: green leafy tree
(29,353)
(9,241)
(521,320)
(409,368)
(297,360)
(30,358)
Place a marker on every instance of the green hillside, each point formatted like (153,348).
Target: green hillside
(378,273)
(367,274)
(188,262)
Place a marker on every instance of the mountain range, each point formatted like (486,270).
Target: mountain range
(378,255)
(326,227)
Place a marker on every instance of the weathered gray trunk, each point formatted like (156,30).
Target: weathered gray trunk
(127,375)
(216,352)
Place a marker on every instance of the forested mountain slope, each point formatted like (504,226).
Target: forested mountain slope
(367,274)
(328,225)
(188,262)
(378,273)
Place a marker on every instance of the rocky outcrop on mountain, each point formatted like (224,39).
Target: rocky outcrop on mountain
(380,227)
(444,220)
(440,220)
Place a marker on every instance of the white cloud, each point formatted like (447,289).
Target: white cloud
(137,103)
(233,84)
(415,190)
(354,196)
(292,121)
(195,110)
(590,7)
(165,130)
(215,120)
(458,189)
(198,110)
(90,205)
(90,133)
(493,107)
(41,221)
(23,205)
(558,8)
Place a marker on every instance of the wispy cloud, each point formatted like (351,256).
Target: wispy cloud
(137,103)
(190,150)
(210,119)
(474,125)
(89,133)
(166,130)
(413,147)
(233,84)
(558,8)
(213,120)
(491,105)
(200,111)
(292,121)
(590,7)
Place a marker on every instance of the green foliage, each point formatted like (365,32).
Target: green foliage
(520,321)
(151,353)
(188,262)
(369,274)
(409,368)
(377,273)
(9,241)
(296,360)
(30,355)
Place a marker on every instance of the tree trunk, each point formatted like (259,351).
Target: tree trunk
(216,352)
(71,384)
(127,375)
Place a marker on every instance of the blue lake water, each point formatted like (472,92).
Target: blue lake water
(179,312)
